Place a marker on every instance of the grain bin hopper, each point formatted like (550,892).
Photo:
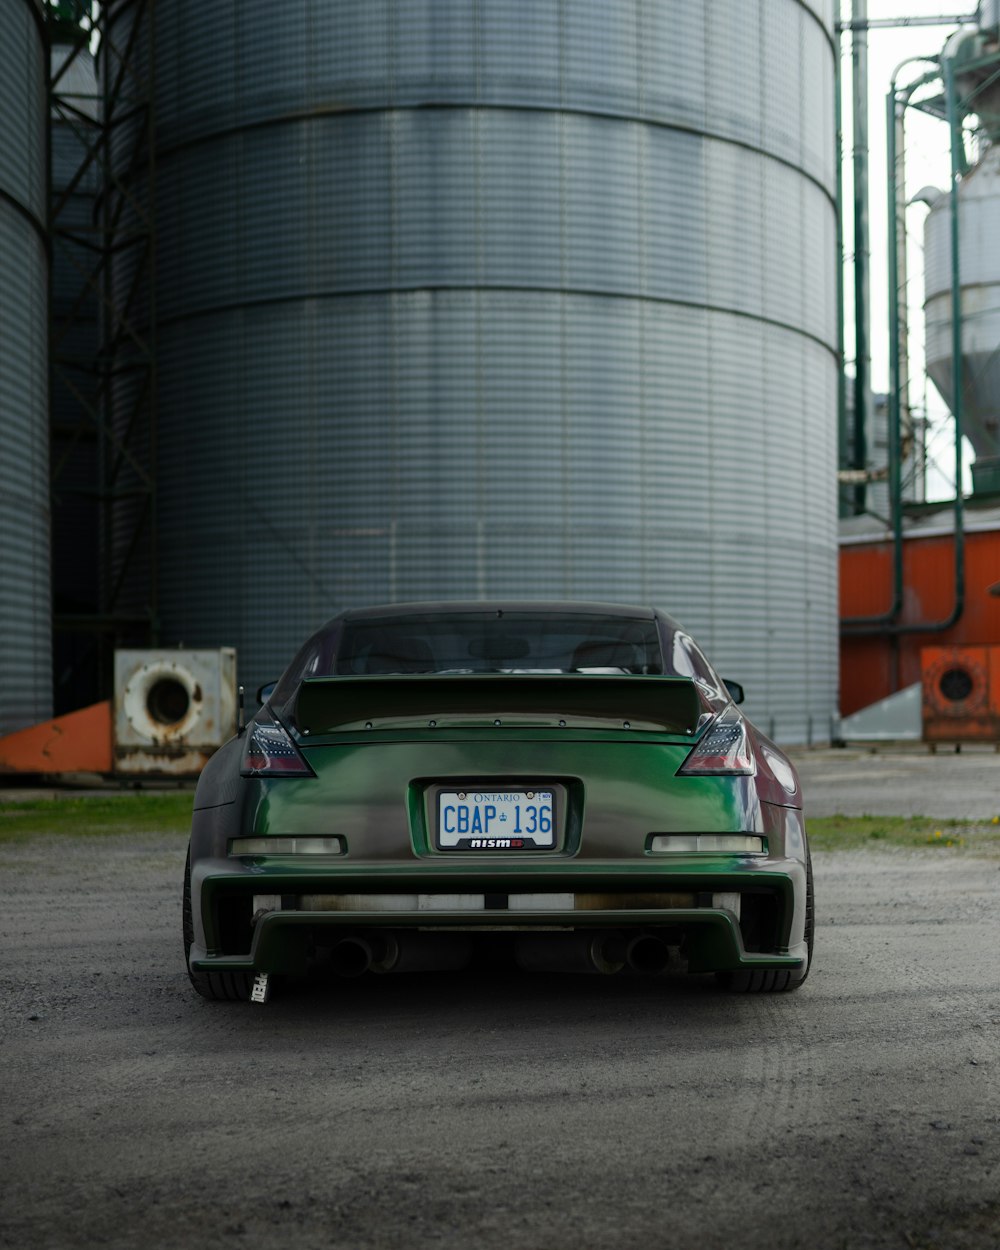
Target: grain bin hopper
(978,266)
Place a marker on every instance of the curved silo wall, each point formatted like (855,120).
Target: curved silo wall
(25,627)
(506,300)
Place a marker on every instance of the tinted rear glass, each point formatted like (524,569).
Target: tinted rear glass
(487,643)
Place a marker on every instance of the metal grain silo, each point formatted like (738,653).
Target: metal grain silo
(979,274)
(502,299)
(970,55)
(25,628)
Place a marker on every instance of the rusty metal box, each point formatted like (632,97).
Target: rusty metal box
(172,708)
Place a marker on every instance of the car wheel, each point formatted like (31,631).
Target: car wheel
(775,980)
(217,986)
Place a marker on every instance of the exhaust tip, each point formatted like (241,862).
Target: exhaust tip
(351,957)
(419,952)
(385,953)
(608,953)
(648,954)
(572,952)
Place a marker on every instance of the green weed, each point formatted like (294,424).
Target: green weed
(97,814)
(849,833)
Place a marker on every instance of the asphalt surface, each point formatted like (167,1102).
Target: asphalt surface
(901,781)
(444,1110)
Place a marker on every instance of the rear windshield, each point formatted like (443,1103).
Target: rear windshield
(516,642)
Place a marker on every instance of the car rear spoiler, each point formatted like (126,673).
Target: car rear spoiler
(339,704)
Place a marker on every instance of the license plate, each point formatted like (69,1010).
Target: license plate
(496,820)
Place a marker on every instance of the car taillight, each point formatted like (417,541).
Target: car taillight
(725,748)
(270,752)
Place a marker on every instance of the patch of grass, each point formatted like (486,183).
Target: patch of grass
(97,814)
(852,833)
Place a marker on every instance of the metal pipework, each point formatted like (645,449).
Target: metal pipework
(886,23)
(862,324)
(838,75)
(957,148)
(896,104)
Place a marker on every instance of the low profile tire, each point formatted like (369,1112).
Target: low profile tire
(216,986)
(776,980)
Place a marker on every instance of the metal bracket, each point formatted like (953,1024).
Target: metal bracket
(261,991)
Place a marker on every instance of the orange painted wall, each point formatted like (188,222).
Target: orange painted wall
(873,667)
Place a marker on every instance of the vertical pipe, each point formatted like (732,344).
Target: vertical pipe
(957,167)
(896,203)
(843,456)
(903,416)
(862,383)
(894,193)
(896,104)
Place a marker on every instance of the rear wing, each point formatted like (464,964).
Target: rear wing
(669,705)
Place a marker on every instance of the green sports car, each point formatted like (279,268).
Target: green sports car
(565,786)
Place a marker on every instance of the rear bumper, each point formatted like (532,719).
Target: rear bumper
(282,912)
(281,939)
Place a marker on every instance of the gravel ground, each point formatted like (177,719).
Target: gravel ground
(901,781)
(514,1111)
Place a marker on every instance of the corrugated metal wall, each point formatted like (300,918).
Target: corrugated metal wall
(463,299)
(876,666)
(25,626)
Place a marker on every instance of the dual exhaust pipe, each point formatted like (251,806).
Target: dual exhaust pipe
(387,952)
(602,953)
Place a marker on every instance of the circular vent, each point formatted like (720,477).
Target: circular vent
(167,701)
(161,701)
(956,684)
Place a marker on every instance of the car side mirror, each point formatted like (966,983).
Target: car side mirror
(264,692)
(736,692)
